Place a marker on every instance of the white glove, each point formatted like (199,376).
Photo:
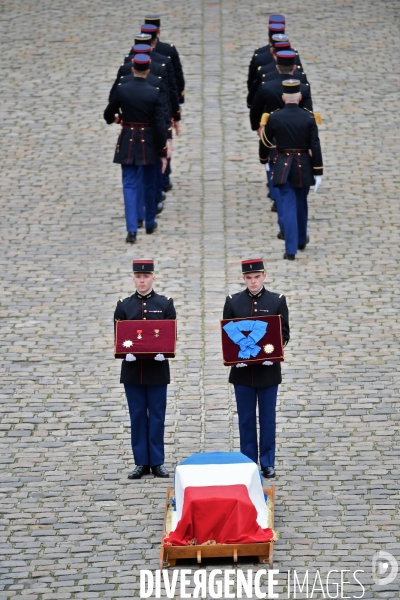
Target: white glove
(318,181)
(241,365)
(267,167)
(159,357)
(268,363)
(130,357)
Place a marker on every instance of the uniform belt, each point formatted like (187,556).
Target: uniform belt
(293,151)
(135,125)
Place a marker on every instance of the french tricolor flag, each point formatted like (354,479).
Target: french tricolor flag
(219,499)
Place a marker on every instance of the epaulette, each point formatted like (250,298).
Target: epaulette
(120,300)
(280,295)
(171,45)
(230,295)
(169,298)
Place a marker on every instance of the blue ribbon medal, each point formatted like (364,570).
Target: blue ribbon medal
(248,345)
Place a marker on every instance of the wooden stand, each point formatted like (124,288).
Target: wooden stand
(170,554)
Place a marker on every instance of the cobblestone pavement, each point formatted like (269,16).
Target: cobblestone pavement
(72,525)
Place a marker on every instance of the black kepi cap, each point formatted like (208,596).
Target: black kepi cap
(291,86)
(252,265)
(286,57)
(276,19)
(142,38)
(143,266)
(276,28)
(153,20)
(141,62)
(149,28)
(141,49)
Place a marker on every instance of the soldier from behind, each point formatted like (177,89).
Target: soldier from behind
(146,380)
(268,99)
(298,163)
(170,51)
(262,56)
(257,384)
(141,145)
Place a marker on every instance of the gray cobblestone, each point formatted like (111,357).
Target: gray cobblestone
(72,525)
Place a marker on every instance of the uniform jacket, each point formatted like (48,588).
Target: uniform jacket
(269,98)
(171,51)
(294,132)
(149,371)
(138,103)
(263,58)
(126,69)
(172,87)
(158,83)
(265,75)
(264,304)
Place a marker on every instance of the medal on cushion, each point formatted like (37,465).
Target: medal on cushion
(139,334)
(156,333)
(268,348)
(127,343)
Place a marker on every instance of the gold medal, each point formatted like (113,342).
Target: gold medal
(268,348)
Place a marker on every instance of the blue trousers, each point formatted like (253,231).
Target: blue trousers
(139,184)
(246,400)
(295,215)
(147,405)
(275,196)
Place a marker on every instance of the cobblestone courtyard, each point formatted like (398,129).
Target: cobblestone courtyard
(72,525)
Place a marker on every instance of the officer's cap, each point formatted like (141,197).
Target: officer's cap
(150,29)
(142,38)
(153,20)
(143,266)
(291,86)
(252,265)
(141,49)
(276,28)
(286,57)
(141,62)
(276,19)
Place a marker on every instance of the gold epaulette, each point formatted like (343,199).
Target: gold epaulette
(264,119)
(318,118)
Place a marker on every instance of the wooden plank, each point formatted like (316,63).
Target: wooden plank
(164,528)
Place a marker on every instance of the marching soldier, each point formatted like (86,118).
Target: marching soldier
(146,381)
(257,384)
(298,163)
(170,51)
(141,145)
(263,56)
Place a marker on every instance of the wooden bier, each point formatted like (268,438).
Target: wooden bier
(170,554)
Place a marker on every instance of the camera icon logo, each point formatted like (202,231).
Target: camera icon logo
(384,568)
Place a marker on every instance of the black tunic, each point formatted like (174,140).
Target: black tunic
(145,371)
(265,74)
(171,51)
(265,303)
(295,132)
(143,137)
(269,98)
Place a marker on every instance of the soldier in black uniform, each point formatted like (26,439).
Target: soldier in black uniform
(263,56)
(146,381)
(170,51)
(141,144)
(270,71)
(257,383)
(295,133)
(268,99)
